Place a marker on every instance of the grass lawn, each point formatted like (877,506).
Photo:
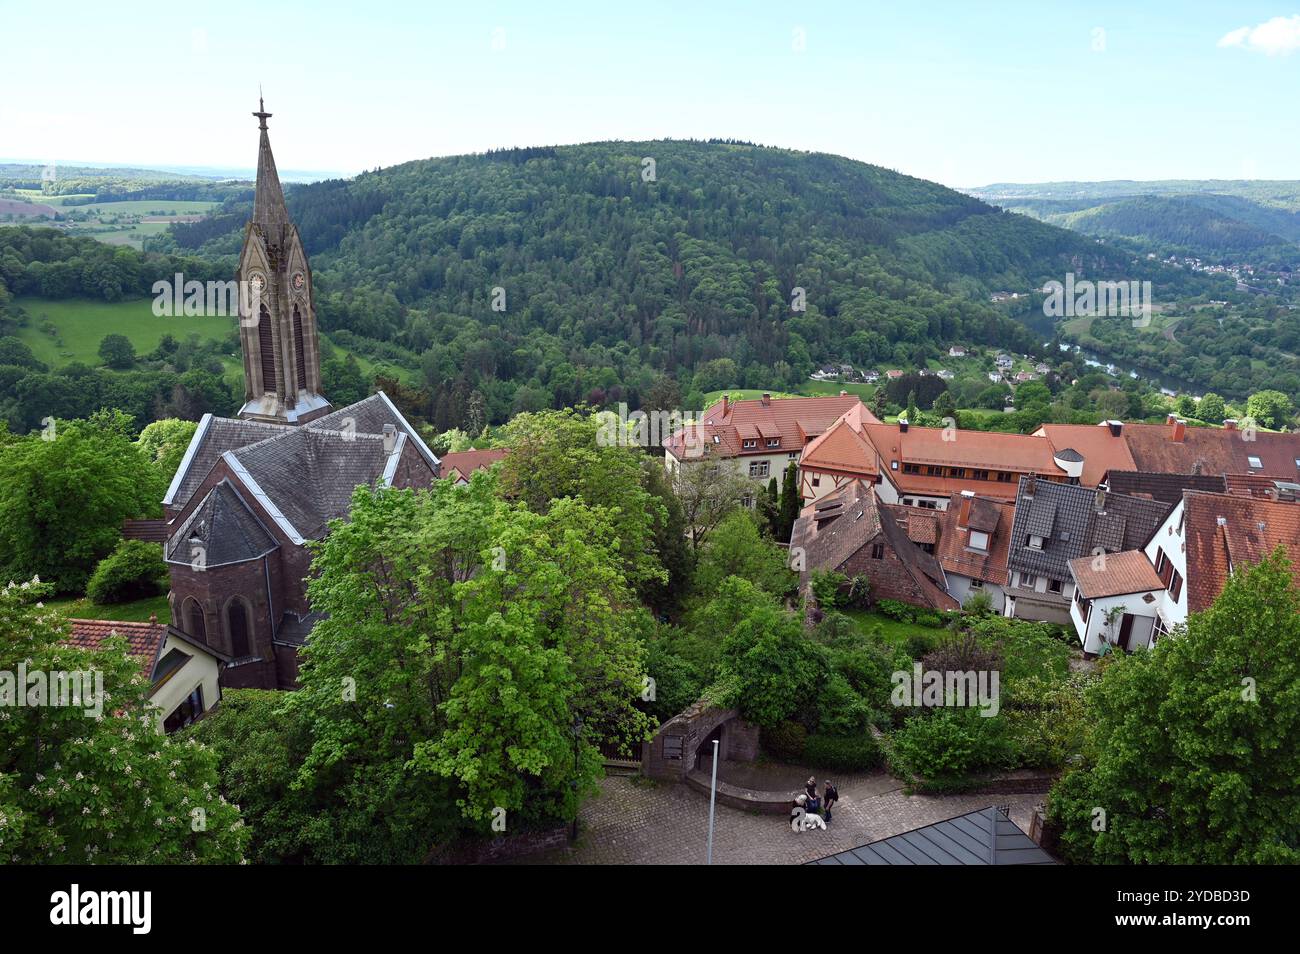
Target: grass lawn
(82,324)
(137,611)
(891,631)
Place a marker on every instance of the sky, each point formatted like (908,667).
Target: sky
(963,93)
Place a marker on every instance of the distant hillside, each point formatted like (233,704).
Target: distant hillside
(1228,221)
(612,277)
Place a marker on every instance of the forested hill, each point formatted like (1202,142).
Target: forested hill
(613,278)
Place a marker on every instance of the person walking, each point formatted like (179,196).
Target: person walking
(829,797)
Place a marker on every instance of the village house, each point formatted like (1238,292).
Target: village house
(457,466)
(762,437)
(1133,598)
(852,532)
(956,351)
(1056,523)
(925,466)
(183,674)
(974,540)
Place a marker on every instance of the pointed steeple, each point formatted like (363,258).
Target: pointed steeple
(268,202)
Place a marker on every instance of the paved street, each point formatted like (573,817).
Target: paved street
(635,821)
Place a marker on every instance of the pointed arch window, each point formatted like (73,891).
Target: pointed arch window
(266,349)
(298,349)
(195,624)
(237,616)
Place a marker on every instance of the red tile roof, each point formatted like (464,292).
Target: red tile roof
(793,420)
(144,640)
(993,517)
(1251,529)
(1214,450)
(1101,450)
(1115,574)
(464,463)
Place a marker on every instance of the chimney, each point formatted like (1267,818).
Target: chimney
(1178,429)
(963,515)
(1116,428)
(843,393)
(726,404)
(153,618)
(767,399)
(1099,501)
(1029,486)
(1230,424)
(902,425)
(390,430)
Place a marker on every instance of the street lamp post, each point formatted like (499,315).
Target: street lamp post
(713,790)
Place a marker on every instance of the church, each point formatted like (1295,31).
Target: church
(252,490)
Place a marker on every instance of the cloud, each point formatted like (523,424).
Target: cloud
(1278,36)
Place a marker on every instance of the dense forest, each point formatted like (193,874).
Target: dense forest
(525,279)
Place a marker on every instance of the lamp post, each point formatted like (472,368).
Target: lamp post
(713,790)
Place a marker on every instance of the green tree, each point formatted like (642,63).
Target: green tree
(117,352)
(791,502)
(557,454)
(165,442)
(64,499)
(1195,755)
(98,783)
(1271,409)
(1211,408)
(737,548)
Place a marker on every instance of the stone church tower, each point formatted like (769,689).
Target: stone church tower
(277,321)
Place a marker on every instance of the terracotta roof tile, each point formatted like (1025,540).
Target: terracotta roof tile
(464,463)
(980,513)
(1251,529)
(792,419)
(1115,575)
(144,640)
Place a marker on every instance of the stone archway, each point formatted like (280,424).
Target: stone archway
(677,747)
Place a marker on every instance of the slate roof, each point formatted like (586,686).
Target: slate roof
(226,529)
(1164,487)
(1071,523)
(213,437)
(1251,530)
(309,474)
(1119,574)
(985,837)
(217,435)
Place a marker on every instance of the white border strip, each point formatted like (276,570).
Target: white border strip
(410,431)
(188,459)
(260,495)
(394,458)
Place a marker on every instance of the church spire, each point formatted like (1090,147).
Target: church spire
(268,201)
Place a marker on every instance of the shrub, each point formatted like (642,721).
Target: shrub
(904,613)
(857,753)
(785,741)
(134,570)
(918,645)
(841,711)
(825,585)
(978,603)
(948,745)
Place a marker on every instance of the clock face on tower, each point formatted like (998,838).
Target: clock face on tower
(299,280)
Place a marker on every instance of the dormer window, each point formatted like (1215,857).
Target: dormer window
(774,442)
(749,444)
(979,540)
(1034,542)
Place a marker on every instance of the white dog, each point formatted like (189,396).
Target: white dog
(801,821)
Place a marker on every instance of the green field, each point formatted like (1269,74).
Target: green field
(81,325)
(121,223)
(136,611)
